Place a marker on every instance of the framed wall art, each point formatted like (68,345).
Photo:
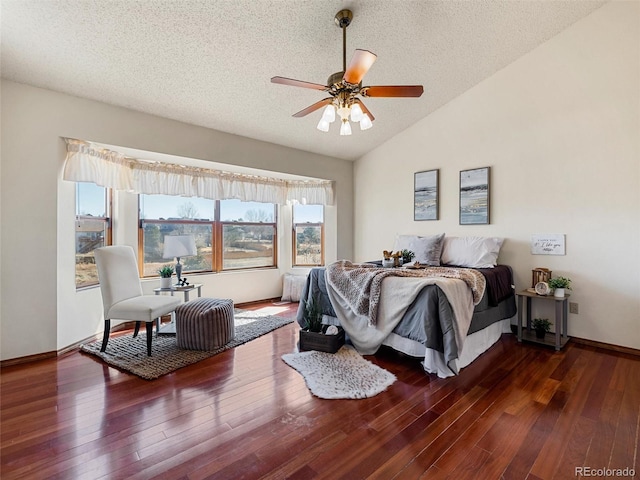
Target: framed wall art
(474,196)
(547,244)
(425,195)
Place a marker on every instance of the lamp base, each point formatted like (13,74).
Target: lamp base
(178,270)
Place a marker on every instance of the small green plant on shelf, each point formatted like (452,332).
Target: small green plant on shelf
(541,326)
(312,317)
(407,255)
(560,282)
(166,271)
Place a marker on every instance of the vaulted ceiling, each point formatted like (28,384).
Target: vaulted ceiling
(209,63)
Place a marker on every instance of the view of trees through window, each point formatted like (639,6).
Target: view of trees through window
(229,234)
(93,230)
(162,215)
(308,222)
(248,234)
(247,231)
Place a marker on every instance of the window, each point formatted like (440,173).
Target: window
(162,215)
(93,229)
(248,234)
(241,235)
(308,235)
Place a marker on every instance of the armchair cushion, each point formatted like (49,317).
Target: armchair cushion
(145,308)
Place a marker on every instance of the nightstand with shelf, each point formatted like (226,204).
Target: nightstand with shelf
(560,338)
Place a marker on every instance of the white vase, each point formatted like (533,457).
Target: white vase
(558,292)
(165,282)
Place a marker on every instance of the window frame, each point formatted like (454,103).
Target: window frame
(108,229)
(217,250)
(221,224)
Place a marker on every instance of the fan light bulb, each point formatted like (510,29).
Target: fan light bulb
(323,125)
(356,113)
(365,123)
(345,128)
(329,114)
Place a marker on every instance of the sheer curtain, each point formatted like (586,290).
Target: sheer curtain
(87,162)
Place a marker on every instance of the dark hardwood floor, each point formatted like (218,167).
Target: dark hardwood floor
(519,411)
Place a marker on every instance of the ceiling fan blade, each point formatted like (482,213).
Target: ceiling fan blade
(298,83)
(393,91)
(360,64)
(314,107)
(365,109)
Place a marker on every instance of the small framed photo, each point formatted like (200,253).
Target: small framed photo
(425,195)
(474,196)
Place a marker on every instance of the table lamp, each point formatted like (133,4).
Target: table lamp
(176,246)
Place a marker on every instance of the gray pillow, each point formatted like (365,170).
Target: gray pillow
(427,249)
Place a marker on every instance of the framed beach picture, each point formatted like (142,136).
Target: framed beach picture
(425,195)
(474,196)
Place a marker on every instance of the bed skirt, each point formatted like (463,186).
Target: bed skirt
(475,345)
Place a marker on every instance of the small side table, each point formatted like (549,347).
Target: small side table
(562,312)
(170,328)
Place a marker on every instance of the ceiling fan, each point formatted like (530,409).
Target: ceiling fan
(345,86)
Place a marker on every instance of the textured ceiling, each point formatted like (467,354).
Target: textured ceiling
(209,63)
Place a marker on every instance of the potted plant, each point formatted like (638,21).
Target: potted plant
(312,335)
(541,326)
(407,255)
(312,317)
(559,284)
(165,276)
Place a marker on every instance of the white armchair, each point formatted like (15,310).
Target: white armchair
(122,293)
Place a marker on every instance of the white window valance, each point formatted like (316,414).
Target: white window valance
(88,162)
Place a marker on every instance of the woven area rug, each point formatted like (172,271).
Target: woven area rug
(344,374)
(130,354)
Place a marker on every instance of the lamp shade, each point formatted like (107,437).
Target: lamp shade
(345,128)
(329,114)
(323,125)
(365,123)
(179,246)
(356,113)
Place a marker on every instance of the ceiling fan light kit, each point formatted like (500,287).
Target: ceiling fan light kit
(345,86)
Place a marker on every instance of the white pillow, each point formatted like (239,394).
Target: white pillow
(292,287)
(427,249)
(472,252)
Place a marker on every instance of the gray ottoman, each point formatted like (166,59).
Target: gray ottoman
(204,324)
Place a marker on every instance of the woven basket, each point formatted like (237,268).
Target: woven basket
(321,342)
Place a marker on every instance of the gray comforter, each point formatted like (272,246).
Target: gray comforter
(429,319)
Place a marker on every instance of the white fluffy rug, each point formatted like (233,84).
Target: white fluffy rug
(344,374)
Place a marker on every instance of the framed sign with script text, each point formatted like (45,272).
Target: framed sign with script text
(547,244)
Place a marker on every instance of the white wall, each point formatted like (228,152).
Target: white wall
(559,128)
(41,311)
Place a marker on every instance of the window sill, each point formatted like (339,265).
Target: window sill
(87,287)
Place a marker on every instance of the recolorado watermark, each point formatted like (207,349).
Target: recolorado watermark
(605,472)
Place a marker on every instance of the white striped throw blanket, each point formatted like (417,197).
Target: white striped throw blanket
(360,283)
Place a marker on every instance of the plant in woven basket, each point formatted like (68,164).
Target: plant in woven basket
(312,316)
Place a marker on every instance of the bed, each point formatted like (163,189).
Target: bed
(425,308)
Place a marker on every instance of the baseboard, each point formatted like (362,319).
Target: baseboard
(64,351)
(28,359)
(248,304)
(606,346)
(130,325)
